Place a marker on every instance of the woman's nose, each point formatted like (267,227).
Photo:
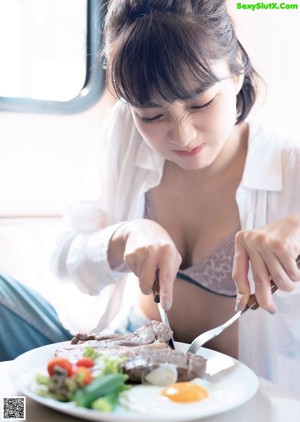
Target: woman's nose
(182,133)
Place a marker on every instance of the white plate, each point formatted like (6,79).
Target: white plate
(231,387)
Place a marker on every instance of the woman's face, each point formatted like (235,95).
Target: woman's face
(191,133)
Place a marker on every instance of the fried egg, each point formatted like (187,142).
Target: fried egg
(155,399)
(184,392)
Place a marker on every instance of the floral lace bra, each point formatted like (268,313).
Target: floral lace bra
(214,272)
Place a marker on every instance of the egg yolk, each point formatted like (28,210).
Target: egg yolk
(185,392)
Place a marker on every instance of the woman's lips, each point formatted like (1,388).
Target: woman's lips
(190,152)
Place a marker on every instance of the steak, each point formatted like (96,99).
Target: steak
(142,359)
(145,349)
(146,334)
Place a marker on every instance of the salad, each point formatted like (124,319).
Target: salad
(93,381)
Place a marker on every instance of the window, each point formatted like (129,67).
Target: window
(48,54)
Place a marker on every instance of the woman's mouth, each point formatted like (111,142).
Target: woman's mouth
(190,152)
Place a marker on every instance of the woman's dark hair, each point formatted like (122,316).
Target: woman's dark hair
(151,47)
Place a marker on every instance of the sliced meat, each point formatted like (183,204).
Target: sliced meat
(142,360)
(147,334)
(145,350)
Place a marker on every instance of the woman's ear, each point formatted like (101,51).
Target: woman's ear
(239,79)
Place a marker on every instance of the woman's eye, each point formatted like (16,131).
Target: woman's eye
(151,119)
(204,106)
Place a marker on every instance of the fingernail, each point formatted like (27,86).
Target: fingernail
(238,305)
(167,305)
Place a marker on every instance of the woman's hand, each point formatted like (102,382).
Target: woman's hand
(272,251)
(146,248)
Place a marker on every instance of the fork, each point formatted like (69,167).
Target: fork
(210,334)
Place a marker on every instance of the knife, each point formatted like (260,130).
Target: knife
(162,312)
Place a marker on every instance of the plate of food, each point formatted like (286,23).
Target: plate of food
(133,377)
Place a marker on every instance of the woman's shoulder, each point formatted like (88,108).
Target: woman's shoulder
(270,156)
(268,139)
(278,155)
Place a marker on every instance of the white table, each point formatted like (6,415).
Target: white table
(270,404)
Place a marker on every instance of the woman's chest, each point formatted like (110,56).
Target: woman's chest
(197,223)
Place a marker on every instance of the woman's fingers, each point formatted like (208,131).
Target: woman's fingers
(169,263)
(270,260)
(262,281)
(240,275)
(245,253)
(164,264)
(149,248)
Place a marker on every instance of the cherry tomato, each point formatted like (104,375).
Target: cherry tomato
(63,363)
(83,375)
(87,362)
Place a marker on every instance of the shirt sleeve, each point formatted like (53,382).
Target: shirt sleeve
(82,257)
(81,252)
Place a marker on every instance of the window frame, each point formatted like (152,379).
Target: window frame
(92,88)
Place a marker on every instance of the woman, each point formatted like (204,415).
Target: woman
(190,189)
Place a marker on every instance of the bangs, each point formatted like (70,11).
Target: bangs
(152,61)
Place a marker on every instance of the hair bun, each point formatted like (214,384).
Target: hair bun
(141,8)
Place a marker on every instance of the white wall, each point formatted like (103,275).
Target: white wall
(271,38)
(43,158)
